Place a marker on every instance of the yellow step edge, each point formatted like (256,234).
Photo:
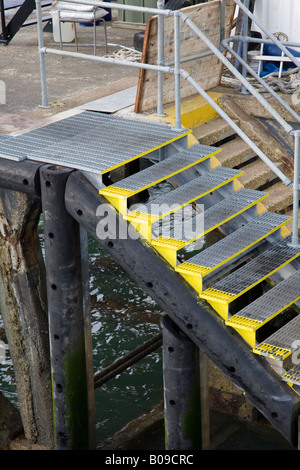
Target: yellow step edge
(118,196)
(247,327)
(184,267)
(162,244)
(144,216)
(193,111)
(273,352)
(218,300)
(221,300)
(193,274)
(142,154)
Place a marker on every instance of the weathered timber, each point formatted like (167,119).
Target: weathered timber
(23,309)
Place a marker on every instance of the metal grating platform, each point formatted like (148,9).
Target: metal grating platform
(237,242)
(273,302)
(90,141)
(187,193)
(160,171)
(256,270)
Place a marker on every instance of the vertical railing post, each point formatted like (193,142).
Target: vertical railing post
(45,103)
(243,89)
(66,306)
(295,236)
(160,59)
(177,72)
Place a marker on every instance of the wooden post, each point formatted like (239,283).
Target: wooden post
(182,394)
(66,315)
(23,309)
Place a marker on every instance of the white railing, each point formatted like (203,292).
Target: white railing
(179,72)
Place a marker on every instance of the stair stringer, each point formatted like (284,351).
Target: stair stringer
(275,399)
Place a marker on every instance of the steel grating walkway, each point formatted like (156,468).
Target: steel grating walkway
(90,141)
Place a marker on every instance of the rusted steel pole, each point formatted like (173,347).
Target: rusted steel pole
(66,314)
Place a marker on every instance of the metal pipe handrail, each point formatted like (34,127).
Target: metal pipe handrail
(185,18)
(237,129)
(177,71)
(261,81)
(249,39)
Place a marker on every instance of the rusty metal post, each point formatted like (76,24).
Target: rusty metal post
(66,314)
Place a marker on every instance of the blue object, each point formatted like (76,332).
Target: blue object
(270,67)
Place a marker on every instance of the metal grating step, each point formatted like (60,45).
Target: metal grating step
(107,142)
(158,172)
(168,203)
(92,141)
(230,248)
(292,376)
(266,307)
(205,222)
(234,285)
(282,343)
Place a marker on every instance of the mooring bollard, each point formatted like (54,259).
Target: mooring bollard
(66,314)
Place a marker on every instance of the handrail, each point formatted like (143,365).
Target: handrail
(177,71)
(268,33)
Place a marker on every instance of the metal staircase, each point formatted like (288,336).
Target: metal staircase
(256,246)
(218,281)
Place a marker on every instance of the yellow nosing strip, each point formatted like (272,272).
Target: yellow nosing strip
(168,243)
(112,193)
(135,215)
(245,327)
(194,111)
(273,352)
(221,299)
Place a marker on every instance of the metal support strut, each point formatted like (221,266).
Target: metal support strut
(295,237)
